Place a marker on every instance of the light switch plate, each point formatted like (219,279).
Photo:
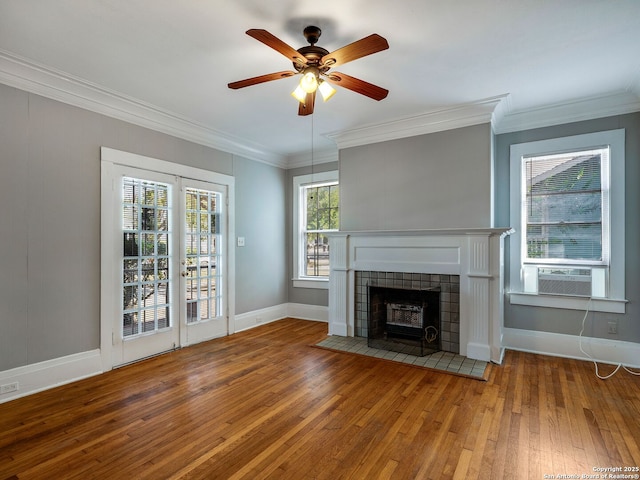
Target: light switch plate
(241,241)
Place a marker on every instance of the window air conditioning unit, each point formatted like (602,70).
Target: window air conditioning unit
(565,281)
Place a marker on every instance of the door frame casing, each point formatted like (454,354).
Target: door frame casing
(110,159)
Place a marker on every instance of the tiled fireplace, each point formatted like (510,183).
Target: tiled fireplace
(465,265)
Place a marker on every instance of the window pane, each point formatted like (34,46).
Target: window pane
(148,244)
(577,242)
(148,219)
(323,197)
(191,201)
(312,208)
(149,194)
(163,219)
(324,216)
(204,222)
(569,207)
(564,206)
(334,204)
(129,217)
(317,254)
(564,173)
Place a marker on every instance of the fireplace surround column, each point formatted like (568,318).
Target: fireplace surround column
(341,287)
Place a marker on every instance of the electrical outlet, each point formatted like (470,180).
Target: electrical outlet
(613,327)
(9,387)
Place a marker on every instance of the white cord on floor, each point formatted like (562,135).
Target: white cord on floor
(591,358)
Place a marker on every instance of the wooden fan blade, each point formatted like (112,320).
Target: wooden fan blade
(366,46)
(359,86)
(278,45)
(306,108)
(261,79)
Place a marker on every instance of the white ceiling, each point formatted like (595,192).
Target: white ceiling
(170,61)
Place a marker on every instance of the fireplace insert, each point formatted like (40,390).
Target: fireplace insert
(404,320)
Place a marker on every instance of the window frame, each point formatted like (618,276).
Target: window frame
(299,183)
(614,299)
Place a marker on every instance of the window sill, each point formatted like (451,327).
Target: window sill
(607,305)
(320,283)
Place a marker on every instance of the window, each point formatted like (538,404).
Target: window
(567,206)
(565,203)
(316,213)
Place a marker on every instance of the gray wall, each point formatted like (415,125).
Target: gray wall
(439,180)
(50,222)
(261,265)
(569,321)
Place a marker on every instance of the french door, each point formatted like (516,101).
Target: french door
(169,255)
(203,261)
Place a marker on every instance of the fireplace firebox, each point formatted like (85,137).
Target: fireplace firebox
(404,320)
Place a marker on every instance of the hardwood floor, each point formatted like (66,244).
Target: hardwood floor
(265,403)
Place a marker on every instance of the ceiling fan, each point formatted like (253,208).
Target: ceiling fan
(314,62)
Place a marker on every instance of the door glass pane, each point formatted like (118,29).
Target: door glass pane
(202,254)
(145,269)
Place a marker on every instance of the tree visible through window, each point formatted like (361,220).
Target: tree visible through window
(321,215)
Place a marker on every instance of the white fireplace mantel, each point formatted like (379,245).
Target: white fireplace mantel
(476,255)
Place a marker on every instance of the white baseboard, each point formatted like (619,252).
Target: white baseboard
(245,321)
(51,373)
(308,312)
(601,350)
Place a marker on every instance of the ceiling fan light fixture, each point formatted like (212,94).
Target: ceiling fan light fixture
(309,80)
(326,90)
(299,94)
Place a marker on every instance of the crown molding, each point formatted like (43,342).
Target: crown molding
(463,115)
(45,81)
(499,111)
(305,159)
(634,85)
(576,110)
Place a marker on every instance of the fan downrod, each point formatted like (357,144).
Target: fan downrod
(312,34)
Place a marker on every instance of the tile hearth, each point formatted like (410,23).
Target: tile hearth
(444,361)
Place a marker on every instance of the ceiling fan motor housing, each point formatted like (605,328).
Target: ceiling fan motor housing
(313,54)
